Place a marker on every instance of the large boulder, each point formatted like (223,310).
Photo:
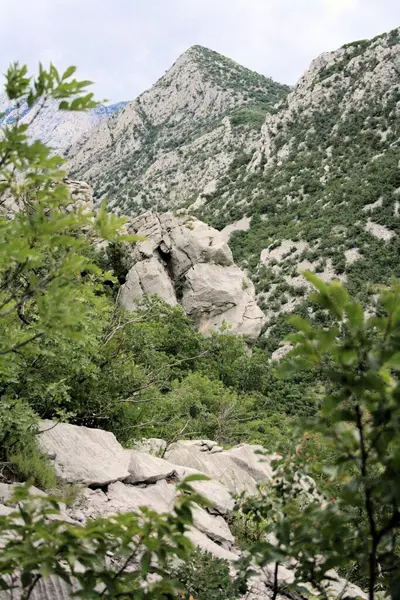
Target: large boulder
(217,295)
(82,455)
(182,241)
(184,260)
(145,468)
(239,469)
(147,277)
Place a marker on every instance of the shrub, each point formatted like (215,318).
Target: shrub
(205,577)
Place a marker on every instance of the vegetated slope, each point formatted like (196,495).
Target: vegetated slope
(58,129)
(172,143)
(323,189)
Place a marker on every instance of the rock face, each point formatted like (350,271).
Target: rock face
(185,261)
(124,480)
(83,455)
(239,469)
(175,140)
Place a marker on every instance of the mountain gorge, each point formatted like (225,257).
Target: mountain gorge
(136,351)
(316,167)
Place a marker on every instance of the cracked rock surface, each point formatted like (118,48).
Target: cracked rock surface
(187,262)
(116,480)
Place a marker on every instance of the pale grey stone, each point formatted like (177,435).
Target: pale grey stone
(83,455)
(145,468)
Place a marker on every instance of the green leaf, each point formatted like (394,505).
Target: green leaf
(394,361)
(195,477)
(145,561)
(355,314)
(68,72)
(301,324)
(315,281)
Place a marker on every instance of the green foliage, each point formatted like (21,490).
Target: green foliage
(200,407)
(49,284)
(252,116)
(29,463)
(38,543)
(204,577)
(358,428)
(19,455)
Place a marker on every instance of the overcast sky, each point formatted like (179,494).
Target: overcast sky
(125,45)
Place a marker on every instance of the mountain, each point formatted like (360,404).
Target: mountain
(176,140)
(323,187)
(58,129)
(302,179)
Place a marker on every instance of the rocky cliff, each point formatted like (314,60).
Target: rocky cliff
(114,480)
(172,144)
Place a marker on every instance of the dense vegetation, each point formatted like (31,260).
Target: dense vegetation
(69,354)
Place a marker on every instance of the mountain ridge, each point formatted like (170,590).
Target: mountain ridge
(167,125)
(59,129)
(310,172)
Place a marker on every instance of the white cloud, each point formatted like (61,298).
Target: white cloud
(125,45)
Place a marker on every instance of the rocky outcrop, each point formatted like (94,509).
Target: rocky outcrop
(239,469)
(361,70)
(83,455)
(114,480)
(242,224)
(81,195)
(185,261)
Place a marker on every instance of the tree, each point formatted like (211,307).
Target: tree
(49,282)
(358,429)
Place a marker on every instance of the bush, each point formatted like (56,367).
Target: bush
(205,577)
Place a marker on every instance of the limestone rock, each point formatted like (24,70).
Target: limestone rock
(184,259)
(215,527)
(49,588)
(159,497)
(144,468)
(180,241)
(94,457)
(153,446)
(81,196)
(147,277)
(203,542)
(131,292)
(242,224)
(147,469)
(239,469)
(83,455)
(217,494)
(215,296)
